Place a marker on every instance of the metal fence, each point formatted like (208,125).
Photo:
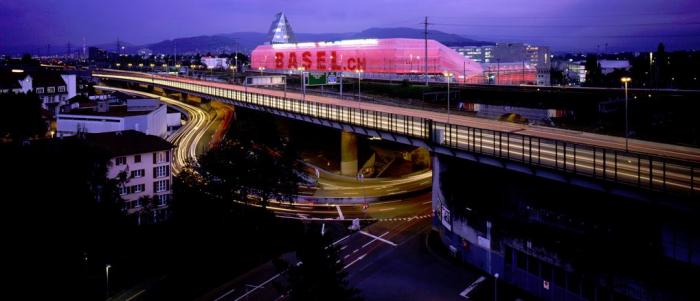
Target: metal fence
(644,171)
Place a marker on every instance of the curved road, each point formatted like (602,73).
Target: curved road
(187,137)
(332,186)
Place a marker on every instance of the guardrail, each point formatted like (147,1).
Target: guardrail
(643,171)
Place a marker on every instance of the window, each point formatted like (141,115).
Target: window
(120,161)
(137,173)
(135,188)
(62,89)
(39,90)
(123,190)
(162,199)
(160,157)
(50,90)
(160,186)
(161,171)
(520,260)
(137,159)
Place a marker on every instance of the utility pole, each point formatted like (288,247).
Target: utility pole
(426,50)
(68,50)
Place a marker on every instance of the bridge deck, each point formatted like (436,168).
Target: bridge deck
(650,165)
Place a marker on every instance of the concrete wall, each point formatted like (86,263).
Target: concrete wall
(68,124)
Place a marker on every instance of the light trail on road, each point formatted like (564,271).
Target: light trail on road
(649,165)
(187,137)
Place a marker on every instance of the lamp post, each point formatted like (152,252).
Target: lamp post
(495,287)
(107,267)
(626,80)
(359,84)
(302,81)
(449,77)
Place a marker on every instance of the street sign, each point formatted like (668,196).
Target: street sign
(316,79)
(320,79)
(332,78)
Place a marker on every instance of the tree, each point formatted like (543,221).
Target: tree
(25,121)
(320,275)
(594,74)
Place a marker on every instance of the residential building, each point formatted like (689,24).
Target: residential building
(54,89)
(144,163)
(144,115)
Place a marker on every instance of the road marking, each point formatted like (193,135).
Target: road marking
(340,212)
(373,240)
(378,238)
(387,209)
(339,240)
(136,295)
(471,287)
(356,260)
(251,291)
(428,202)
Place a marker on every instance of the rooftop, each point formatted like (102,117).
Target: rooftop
(114,111)
(128,142)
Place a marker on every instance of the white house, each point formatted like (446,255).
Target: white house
(53,89)
(144,115)
(145,162)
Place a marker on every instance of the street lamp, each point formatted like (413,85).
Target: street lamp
(261,70)
(107,267)
(302,81)
(495,287)
(359,83)
(449,77)
(626,80)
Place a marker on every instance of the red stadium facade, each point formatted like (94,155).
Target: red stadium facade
(380,56)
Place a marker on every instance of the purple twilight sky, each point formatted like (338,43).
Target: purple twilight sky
(561,24)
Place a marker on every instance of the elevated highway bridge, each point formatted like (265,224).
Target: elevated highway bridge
(584,159)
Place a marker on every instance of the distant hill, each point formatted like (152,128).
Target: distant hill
(247,41)
(413,33)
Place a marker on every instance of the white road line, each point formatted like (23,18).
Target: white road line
(259,286)
(429,202)
(136,295)
(356,260)
(471,287)
(339,240)
(373,240)
(378,238)
(340,212)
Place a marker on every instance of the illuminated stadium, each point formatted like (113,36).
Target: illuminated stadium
(385,58)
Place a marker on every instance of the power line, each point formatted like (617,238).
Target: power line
(575,16)
(567,25)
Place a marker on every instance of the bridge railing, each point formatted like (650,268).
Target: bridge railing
(644,171)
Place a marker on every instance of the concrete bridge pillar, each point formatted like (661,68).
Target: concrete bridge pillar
(348,154)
